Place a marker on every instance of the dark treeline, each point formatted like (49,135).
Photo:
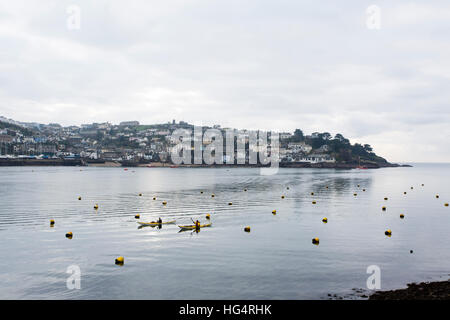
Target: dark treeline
(338,146)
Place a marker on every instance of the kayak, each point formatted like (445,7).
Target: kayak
(153,223)
(192,227)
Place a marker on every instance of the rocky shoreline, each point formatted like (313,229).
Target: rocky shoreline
(102,163)
(341,165)
(439,290)
(282,165)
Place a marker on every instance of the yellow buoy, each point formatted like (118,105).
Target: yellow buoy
(446,204)
(96,207)
(247,229)
(137,216)
(383,208)
(402,216)
(69,235)
(404,192)
(120,261)
(364,190)
(79,198)
(154,198)
(388,232)
(437,196)
(324,220)
(212,196)
(385,198)
(230,203)
(312,193)
(140,194)
(315,240)
(355,194)
(164,203)
(282,197)
(274,211)
(314,202)
(208,216)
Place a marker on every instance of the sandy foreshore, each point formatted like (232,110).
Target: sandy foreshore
(105,164)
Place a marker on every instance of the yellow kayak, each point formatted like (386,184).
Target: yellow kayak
(153,223)
(192,227)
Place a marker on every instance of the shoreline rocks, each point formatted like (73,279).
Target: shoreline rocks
(439,290)
(103,163)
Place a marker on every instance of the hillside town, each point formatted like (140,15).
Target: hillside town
(130,142)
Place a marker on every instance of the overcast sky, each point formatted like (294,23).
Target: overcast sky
(273,65)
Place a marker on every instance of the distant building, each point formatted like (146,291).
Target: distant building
(105,125)
(111,155)
(129,123)
(88,132)
(299,147)
(4,138)
(163,132)
(318,158)
(285,135)
(74,139)
(40,139)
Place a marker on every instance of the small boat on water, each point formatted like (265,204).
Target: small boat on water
(155,223)
(192,227)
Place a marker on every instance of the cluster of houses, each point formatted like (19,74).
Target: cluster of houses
(302,152)
(126,141)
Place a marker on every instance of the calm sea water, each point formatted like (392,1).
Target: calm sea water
(276,260)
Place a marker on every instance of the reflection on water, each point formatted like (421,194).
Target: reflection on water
(276,260)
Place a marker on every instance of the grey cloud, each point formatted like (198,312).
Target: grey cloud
(254,64)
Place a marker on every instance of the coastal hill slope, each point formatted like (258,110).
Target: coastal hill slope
(132,143)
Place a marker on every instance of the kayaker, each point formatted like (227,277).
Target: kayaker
(197,224)
(159,220)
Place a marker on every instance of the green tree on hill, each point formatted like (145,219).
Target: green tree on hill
(298,136)
(339,147)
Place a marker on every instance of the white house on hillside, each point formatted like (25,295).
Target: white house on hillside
(318,158)
(299,147)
